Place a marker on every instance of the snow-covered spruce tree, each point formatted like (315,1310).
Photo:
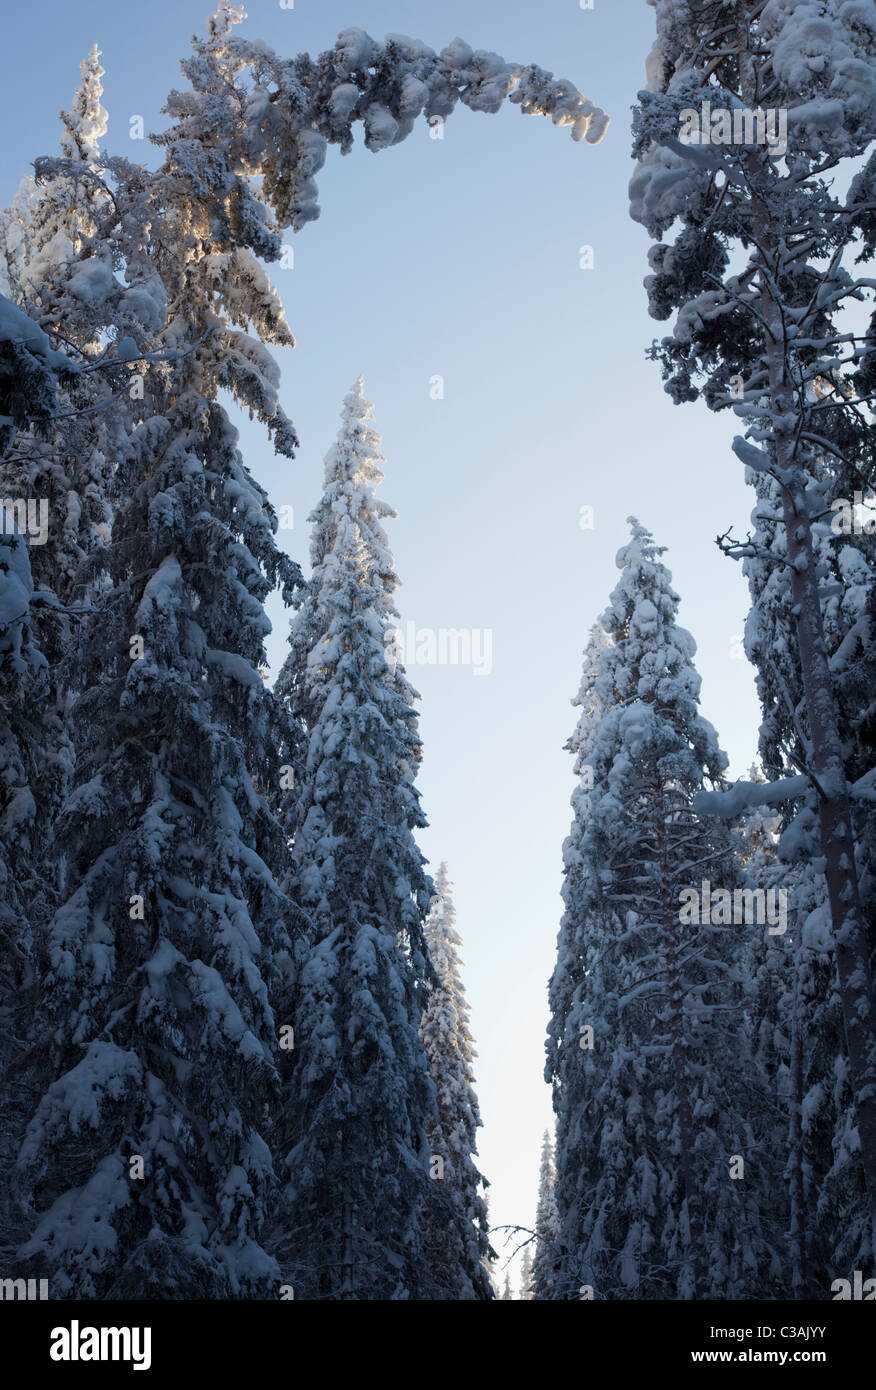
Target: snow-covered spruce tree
(644,1049)
(161,953)
(764,334)
(144,1166)
(359,1096)
(546,1225)
(456,1239)
(159,1043)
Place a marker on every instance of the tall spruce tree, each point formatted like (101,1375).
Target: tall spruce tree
(145,1168)
(644,1049)
(546,1224)
(456,1238)
(359,1095)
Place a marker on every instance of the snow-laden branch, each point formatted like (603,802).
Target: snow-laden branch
(754,458)
(746,795)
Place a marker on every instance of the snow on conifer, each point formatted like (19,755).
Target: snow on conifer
(145,1167)
(456,1238)
(172,920)
(356,1156)
(829,1216)
(642,987)
(546,1225)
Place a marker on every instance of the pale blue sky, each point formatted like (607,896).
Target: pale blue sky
(460,257)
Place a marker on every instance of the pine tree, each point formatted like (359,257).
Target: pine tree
(359,1094)
(814,1203)
(765,336)
(456,1239)
(823,1157)
(769,1028)
(647,1203)
(171,923)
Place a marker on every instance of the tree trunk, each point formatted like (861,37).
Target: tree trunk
(797,1225)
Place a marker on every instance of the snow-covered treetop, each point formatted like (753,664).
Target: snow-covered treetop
(87,122)
(638,668)
(758,243)
(347,532)
(819,53)
(351,474)
(441,934)
(814,60)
